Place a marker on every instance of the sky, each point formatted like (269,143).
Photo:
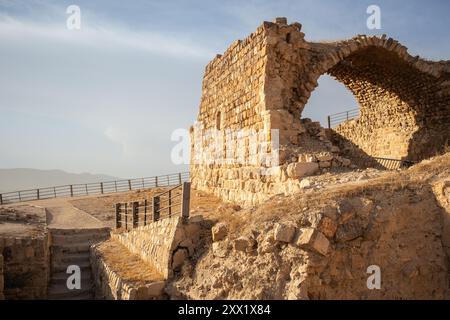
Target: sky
(106,98)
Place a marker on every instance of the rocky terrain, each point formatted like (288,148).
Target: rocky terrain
(319,243)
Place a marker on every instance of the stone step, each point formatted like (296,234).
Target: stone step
(62,267)
(61,257)
(70,248)
(70,232)
(86,283)
(57,239)
(61,292)
(62,276)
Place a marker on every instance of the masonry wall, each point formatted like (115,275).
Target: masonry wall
(165,243)
(232,99)
(25,266)
(265,81)
(110,285)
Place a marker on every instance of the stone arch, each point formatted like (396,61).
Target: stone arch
(264,81)
(404,101)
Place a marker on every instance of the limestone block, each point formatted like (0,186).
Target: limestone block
(241,244)
(284,232)
(328,227)
(219,231)
(302,169)
(312,239)
(324,164)
(155,289)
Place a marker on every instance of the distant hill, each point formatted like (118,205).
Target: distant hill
(22,179)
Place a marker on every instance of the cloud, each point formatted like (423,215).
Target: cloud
(103,35)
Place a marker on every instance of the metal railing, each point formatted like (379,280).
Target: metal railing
(393,164)
(334,120)
(75,190)
(172,202)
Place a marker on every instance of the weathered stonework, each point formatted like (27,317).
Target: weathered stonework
(26,267)
(110,285)
(163,243)
(26,254)
(264,81)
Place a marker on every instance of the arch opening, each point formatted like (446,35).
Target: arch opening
(396,102)
(330,97)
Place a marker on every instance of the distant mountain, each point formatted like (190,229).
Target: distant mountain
(22,179)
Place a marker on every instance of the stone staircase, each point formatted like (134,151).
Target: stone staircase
(71,247)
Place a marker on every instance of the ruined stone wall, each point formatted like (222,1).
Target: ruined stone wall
(404,100)
(265,81)
(232,99)
(110,285)
(24,246)
(165,243)
(26,266)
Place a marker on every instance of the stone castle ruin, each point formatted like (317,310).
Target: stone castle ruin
(249,144)
(263,83)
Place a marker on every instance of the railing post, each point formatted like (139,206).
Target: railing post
(186,197)
(20,197)
(129,184)
(37,194)
(118,215)
(179,178)
(347,115)
(156,182)
(168,180)
(170,203)
(101,187)
(143,184)
(86,189)
(115,185)
(329,122)
(156,213)
(54,191)
(126,216)
(135,214)
(145,212)
(1,198)
(71,190)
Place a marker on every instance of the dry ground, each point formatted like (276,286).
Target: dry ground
(127,265)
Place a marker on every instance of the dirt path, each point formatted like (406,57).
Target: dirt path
(61,214)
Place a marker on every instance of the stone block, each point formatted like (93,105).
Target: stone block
(314,240)
(242,244)
(219,231)
(284,232)
(302,169)
(155,289)
(328,227)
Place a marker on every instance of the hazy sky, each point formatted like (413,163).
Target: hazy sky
(106,98)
